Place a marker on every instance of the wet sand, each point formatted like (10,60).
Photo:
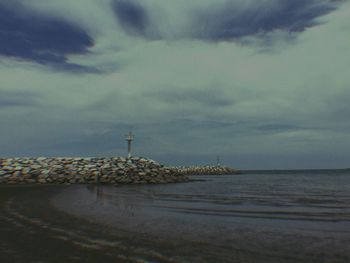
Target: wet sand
(166,224)
(32,230)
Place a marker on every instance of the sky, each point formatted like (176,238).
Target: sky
(265,84)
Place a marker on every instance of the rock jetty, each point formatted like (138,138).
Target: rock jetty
(204,170)
(117,170)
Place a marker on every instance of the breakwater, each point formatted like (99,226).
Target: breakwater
(117,170)
(204,170)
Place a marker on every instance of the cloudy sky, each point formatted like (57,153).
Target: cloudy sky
(262,83)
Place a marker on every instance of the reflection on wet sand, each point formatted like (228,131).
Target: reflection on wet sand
(127,205)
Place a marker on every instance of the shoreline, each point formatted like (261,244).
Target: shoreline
(41,232)
(161,223)
(33,229)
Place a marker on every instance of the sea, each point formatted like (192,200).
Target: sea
(256,216)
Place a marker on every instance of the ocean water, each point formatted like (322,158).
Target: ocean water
(257,216)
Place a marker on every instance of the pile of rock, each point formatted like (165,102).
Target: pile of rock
(117,170)
(204,170)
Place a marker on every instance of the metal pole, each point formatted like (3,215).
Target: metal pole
(129,148)
(129,138)
(218,161)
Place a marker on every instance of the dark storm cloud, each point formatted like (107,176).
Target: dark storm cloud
(42,39)
(18,99)
(132,16)
(205,97)
(229,23)
(277,127)
(248,127)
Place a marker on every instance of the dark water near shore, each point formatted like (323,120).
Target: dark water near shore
(277,216)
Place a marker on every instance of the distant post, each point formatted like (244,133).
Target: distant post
(129,138)
(218,161)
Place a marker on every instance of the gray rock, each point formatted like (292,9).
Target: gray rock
(42,181)
(36,166)
(17,174)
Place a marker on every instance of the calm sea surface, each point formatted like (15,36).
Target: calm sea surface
(277,216)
